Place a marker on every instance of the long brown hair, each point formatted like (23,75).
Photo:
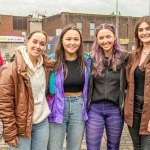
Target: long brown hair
(60,53)
(138,43)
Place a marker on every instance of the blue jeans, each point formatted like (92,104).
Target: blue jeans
(39,138)
(140,142)
(73,126)
(104,114)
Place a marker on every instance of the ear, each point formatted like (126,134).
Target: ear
(26,42)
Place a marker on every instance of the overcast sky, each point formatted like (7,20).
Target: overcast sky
(25,7)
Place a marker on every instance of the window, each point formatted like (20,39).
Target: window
(92,29)
(79,26)
(19,23)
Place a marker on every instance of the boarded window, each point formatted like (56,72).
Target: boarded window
(19,22)
(92,29)
(79,26)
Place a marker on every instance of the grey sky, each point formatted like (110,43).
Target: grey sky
(26,7)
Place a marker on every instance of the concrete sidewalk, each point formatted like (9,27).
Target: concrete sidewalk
(126,143)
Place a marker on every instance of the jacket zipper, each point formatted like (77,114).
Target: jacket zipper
(106,83)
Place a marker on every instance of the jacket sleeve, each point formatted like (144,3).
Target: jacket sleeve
(7,104)
(1,60)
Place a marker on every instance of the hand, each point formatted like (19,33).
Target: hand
(14,142)
(148,128)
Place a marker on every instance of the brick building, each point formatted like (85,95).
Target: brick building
(87,23)
(12,29)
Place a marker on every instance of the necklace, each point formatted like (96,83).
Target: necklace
(145,53)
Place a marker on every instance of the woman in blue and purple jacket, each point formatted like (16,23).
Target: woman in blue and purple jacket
(68,91)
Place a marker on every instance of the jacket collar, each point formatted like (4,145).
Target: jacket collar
(22,66)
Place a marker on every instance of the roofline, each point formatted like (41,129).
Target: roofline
(88,14)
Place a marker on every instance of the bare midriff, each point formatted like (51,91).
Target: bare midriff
(73,94)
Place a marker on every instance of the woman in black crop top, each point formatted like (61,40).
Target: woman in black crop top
(68,104)
(137,103)
(107,96)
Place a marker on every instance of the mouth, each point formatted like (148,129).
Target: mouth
(145,37)
(73,48)
(106,45)
(36,50)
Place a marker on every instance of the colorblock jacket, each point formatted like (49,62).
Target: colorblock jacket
(56,92)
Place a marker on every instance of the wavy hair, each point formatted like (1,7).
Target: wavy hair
(98,56)
(60,52)
(138,43)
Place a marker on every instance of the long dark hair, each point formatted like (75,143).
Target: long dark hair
(60,53)
(138,43)
(97,54)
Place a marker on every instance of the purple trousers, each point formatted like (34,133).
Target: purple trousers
(104,114)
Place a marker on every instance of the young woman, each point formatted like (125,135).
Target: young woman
(68,91)
(23,106)
(137,103)
(107,89)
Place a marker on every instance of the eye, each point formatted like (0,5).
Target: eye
(100,37)
(76,39)
(68,39)
(34,41)
(148,28)
(108,36)
(42,44)
(140,30)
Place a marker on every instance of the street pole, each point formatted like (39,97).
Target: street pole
(149,7)
(117,19)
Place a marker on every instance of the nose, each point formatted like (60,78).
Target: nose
(144,31)
(105,40)
(38,45)
(72,41)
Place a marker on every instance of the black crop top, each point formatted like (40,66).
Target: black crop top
(75,80)
(139,79)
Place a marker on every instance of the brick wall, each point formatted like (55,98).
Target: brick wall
(126,25)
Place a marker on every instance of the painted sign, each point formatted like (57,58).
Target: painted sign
(124,41)
(11,39)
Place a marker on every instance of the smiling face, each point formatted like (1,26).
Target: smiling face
(144,33)
(105,39)
(36,45)
(71,42)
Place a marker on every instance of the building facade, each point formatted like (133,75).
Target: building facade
(14,29)
(87,23)
(12,32)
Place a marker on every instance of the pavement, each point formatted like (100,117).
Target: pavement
(126,142)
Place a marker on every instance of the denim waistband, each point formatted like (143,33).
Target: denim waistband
(73,97)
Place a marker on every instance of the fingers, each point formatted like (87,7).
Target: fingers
(14,142)
(17,140)
(148,128)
